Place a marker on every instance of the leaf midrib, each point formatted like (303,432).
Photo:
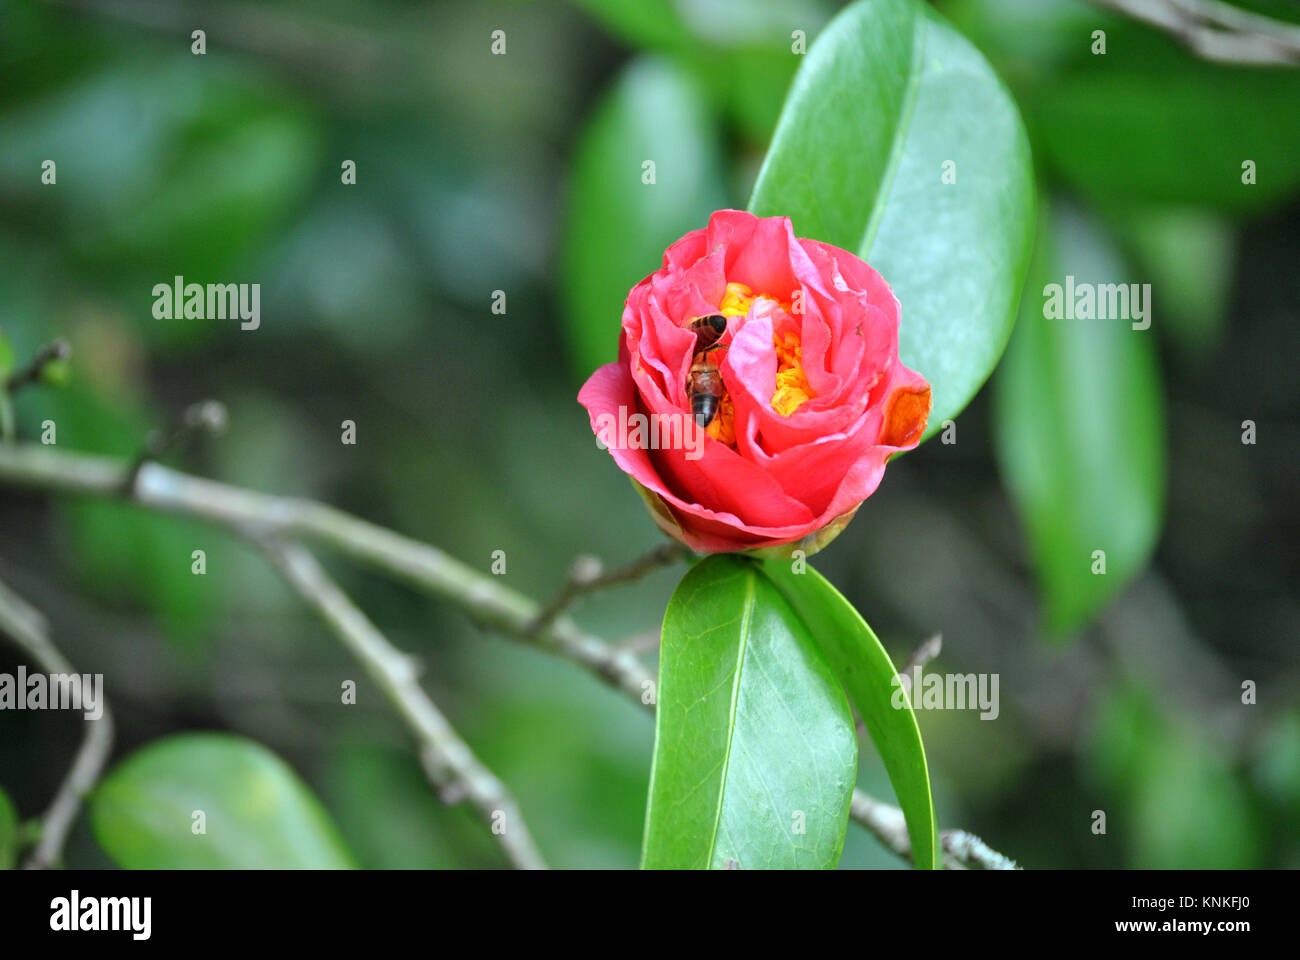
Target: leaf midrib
(742,646)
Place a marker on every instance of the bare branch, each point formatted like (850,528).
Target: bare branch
(262,516)
(447,759)
(28,629)
(265,517)
(885,822)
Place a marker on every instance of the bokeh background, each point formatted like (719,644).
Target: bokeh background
(520,173)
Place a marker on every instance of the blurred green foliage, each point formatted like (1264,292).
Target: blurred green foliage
(1145,121)
(1187,807)
(1079,432)
(478,173)
(622,215)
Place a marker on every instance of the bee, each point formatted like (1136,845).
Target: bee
(704,382)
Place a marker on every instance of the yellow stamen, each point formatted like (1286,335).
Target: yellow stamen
(792,388)
(736,301)
(739,298)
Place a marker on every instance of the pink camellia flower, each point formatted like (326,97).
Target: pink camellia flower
(770,433)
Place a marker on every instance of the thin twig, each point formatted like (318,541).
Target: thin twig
(207,416)
(28,628)
(587,576)
(448,761)
(263,516)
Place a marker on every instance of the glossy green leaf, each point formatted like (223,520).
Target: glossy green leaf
(618,226)
(865,669)
(8,832)
(755,754)
(1079,432)
(887,96)
(257,813)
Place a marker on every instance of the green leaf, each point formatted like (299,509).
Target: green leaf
(887,95)
(1079,432)
(617,227)
(866,670)
(753,736)
(258,814)
(8,832)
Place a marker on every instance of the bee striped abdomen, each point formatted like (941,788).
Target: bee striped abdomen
(704,387)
